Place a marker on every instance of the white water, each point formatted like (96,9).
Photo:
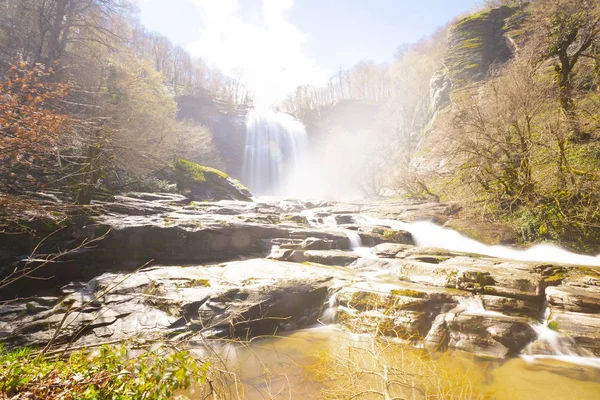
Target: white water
(356,244)
(330,311)
(427,234)
(276,150)
(563,348)
(474,306)
(355,240)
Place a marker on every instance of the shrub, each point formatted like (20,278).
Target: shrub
(108,373)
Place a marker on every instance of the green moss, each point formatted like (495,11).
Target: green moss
(189,173)
(364,301)
(553,325)
(555,278)
(394,236)
(588,271)
(169,221)
(482,280)
(197,283)
(344,317)
(473,43)
(472,18)
(389,234)
(407,293)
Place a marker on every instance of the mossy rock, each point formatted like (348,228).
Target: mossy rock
(408,293)
(208,184)
(475,43)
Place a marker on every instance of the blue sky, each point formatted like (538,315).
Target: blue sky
(275,45)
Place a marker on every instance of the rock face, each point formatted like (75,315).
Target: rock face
(240,269)
(203,183)
(439,91)
(237,300)
(226,121)
(476,43)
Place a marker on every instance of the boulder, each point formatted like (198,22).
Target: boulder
(492,336)
(203,183)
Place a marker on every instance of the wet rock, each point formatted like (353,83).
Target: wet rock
(316,244)
(382,235)
(389,250)
(331,257)
(512,306)
(475,43)
(395,311)
(577,294)
(583,329)
(439,275)
(344,219)
(492,336)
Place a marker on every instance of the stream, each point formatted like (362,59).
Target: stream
(291,367)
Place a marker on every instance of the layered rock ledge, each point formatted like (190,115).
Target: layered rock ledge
(240,269)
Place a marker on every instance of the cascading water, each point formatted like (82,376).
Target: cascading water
(559,347)
(474,306)
(276,149)
(427,234)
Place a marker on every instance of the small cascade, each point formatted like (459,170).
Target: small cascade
(329,313)
(474,306)
(276,148)
(552,345)
(355,240)
(356,244)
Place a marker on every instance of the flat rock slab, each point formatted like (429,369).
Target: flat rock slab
(238,299)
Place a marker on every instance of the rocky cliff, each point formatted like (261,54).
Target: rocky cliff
(476,43)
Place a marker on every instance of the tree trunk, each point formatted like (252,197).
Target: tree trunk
(55,48)
(565,96)
(89,177)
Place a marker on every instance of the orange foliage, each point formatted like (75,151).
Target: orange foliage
(29,119)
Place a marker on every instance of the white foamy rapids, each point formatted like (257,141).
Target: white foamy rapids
(276,149)
(428,234)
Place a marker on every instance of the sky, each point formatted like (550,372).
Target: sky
(276,45)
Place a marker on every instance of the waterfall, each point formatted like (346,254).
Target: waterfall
(276,149)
